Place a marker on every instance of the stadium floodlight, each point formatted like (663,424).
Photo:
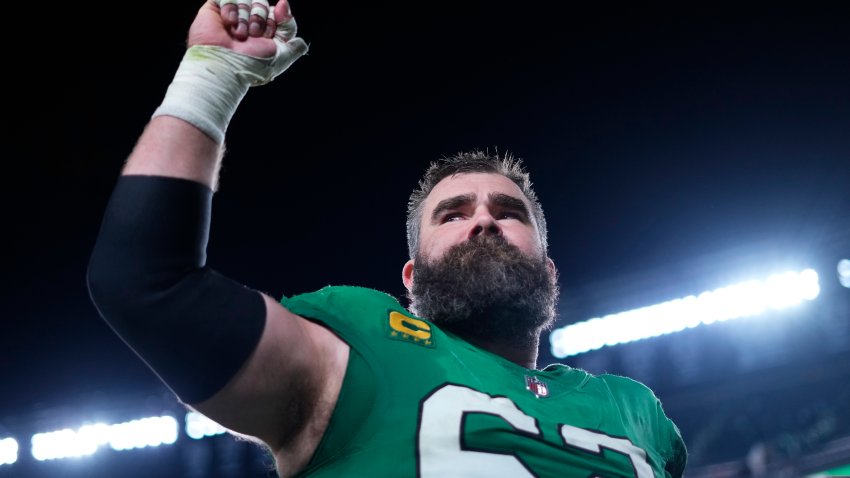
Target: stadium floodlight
(745,299)
(198,426)
(844,272)
(8,451)
(67,443)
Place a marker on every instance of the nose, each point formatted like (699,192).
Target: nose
(484,224)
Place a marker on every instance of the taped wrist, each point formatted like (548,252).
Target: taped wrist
(209,85)
(148,279)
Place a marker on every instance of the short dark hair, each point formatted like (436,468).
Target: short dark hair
(474,161)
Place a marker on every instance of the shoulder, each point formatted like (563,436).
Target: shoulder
(352,312)
(341,296)
(623,391)
(631,395)
(641,407)
(625,384)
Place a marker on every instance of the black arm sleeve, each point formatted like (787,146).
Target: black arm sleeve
(147,277)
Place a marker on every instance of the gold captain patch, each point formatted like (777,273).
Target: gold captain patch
(406,328)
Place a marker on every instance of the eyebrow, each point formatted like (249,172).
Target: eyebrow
(509,202)
(451,203)
(501,200)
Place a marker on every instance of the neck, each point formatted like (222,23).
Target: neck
(522,353)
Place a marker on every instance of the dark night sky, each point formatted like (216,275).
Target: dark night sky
(653,135)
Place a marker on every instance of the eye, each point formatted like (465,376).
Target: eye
(510,215)
(452,216)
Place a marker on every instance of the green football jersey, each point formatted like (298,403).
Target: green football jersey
(418,401)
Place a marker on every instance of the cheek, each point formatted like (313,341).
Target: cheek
(524,239)
(436,243)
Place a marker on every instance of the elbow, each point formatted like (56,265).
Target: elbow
(116,285)
(192,326)
(153,237)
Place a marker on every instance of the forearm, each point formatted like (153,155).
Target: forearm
(172,147)
(185,136)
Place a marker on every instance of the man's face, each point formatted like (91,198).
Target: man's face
(465,205)
(481,268)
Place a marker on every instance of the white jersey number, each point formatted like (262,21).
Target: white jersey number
(440,437)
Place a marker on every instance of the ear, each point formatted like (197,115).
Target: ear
(407,274)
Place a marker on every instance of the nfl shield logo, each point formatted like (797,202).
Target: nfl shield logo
(536,386)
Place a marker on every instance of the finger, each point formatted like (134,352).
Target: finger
(257,20)
(240,31)
(285,28)
(229,12)
(270,25)
(282,12)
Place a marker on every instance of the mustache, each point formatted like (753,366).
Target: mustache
(483,246)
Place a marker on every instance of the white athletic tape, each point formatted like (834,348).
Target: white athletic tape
(244,9)
(211,82)
(287,30)
(261,8)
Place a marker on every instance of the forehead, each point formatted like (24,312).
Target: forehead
(479,184)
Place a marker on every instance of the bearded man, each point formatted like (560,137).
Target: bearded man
(345,381)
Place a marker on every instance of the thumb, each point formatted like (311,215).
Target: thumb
(297,47)
(287,53)
(281,15)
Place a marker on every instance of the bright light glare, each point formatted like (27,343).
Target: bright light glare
(740,300)
(844,272)
(67,443)
(8,451)
(199,426)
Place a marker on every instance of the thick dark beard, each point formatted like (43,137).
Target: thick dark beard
(486,288)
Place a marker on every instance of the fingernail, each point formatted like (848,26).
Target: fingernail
(241,30)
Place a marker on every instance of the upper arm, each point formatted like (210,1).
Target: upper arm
(293,376)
